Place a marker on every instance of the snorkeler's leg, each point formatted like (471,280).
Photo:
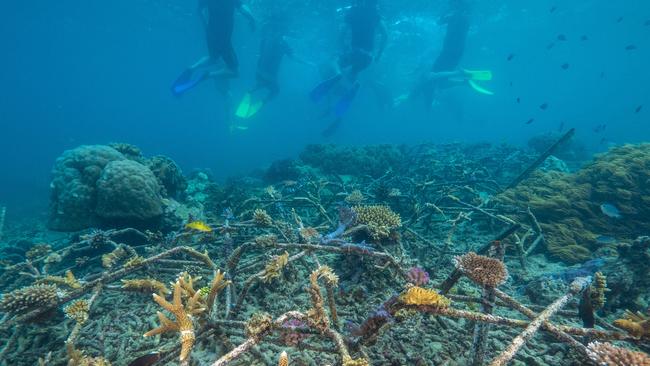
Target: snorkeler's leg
(231,71)
(203,61)
(329,131)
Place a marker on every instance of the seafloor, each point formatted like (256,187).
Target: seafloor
(343,256)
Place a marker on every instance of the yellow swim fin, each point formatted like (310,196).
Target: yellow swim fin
(481,75)
(479,88)
(244,106)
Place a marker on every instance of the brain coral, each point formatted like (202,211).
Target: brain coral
(73,194)
(128,190)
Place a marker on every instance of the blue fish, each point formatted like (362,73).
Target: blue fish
(610,210)
(604,239)
(584,270)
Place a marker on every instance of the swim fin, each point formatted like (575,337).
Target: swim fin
(480,75)
(188,80)
(345,102)
(479,88)
(247,109)
(321,90)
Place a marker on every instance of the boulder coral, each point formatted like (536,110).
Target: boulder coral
(568,206)
(128,190)
(97,185)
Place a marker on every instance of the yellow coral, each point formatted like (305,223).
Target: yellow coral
(78,311)
(183,316)
(134,261)
(145,285)
(284,359)
(380,220)
(348,361)
(218,284)
(109,259)
(637,324)
(262,218)
(422,296)
(69,280)
(274,267)
(598,289)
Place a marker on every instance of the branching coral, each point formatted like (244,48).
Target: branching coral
(182,314)
(605,354)
(218,283)
(274,267)
(109,259)
(29,298)
(78,310)
(258,325)
(38,251)
(316,314)
(69,280)
(283,360)
(134,261)
(262,218)
(355,197)
(637,324)
(147,285)
(78,358)
(422,296)
(485,271)
(380,220)
(598,289)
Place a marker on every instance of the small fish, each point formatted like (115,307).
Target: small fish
(561,37)
(604,239)
(199,226)
(146,360)
(630,47)
(620,19)
(550,45)
(544,106)
(510,57)
(553,9)
(518,100)
(610,210)
(647,23)
(530,121)
(584,38)
(638,109)
(565,66)
(602,74)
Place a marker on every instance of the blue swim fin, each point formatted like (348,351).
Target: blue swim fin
(321,90)
(345,102)
(188,80)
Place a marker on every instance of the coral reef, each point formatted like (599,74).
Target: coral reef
(422,296)
(485,271)
(78,311)
(283,360)
(605,354)
(274,267)
(146,285)
(128,190)
(29,298)
(349,160)
(380,220)
(418,276)
(637,324)
(169,175)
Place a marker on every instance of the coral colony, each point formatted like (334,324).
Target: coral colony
(428,255)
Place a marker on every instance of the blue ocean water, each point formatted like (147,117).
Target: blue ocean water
(91,72)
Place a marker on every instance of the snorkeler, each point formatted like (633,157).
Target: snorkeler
(446,71)
(361,26)
(218,18)
(273,48)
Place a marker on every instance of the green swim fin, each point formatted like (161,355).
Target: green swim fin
(254,108)
(244,106)
(482,75)
(479,88)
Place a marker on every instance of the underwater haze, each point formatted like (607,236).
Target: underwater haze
(325,182)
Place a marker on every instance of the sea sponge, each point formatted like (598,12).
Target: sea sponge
(29,298)
(422,296)
(379,219)
(73,188)
(127,190)
(485,271)
(605,354)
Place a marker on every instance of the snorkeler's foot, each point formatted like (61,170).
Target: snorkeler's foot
(329,131)
(322,89)
(247,108)
(188,80)
(478,75)
(345,102)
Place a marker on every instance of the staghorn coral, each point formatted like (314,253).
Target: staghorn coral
(109,259)
(380,220)
(38,251)
(78,310)
(79,358)
(147,285)
(422,296)
(316,315)
(267,240)
(598,289)
(274,267)
(134,261)
(216,286)
(606,354)
(349,361)
(283,360)
(261,218)
(355,197)
(69,280)
(29,298)
(485,271)
(182,314)
(636,324)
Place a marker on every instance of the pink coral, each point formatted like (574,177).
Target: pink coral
(418,276)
